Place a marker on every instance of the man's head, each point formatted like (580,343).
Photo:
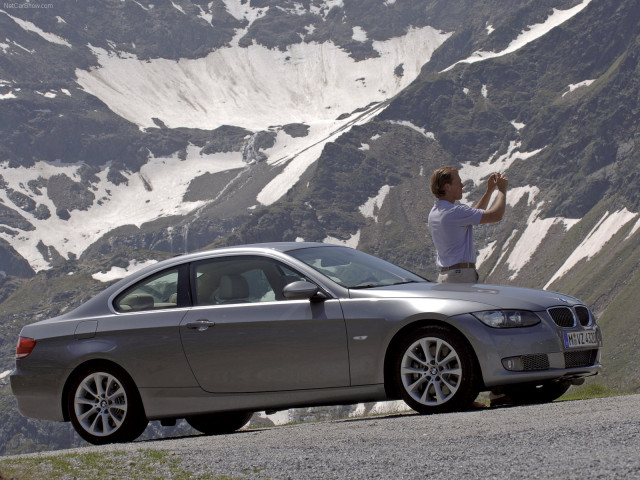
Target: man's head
(446,184)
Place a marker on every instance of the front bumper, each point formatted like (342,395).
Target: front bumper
(530,354)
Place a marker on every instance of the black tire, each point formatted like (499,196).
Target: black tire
(219,423)
(104,406)
(531,393)
(435,371)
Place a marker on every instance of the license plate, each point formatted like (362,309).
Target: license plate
(586,338)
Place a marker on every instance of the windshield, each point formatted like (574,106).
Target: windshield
(352,268)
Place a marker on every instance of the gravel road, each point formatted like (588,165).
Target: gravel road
(598,438)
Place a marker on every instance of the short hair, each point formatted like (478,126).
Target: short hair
(440,178)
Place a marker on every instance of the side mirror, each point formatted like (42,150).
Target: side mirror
(302,290)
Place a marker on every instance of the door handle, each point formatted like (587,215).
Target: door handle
(201,325)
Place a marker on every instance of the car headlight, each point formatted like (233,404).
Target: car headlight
(507,318)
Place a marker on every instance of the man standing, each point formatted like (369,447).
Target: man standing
(451,223)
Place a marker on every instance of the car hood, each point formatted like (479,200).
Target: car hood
(493,296)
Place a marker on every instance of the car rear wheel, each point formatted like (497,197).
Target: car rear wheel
(219,423)
(435,371)
(104,406)
(529,393)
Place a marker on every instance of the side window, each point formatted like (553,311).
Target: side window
(242,279)
(156,292)
(260,290)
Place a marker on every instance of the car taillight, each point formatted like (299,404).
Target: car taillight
(25,347)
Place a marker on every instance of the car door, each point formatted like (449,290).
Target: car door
(242,335)
(144,335)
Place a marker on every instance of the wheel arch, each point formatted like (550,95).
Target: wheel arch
(93,364)
(392,347)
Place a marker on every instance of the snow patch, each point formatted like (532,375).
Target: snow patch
(575,86)
(406,123)
(117,273)
(350,242)
(534,234)
(372,206)
(635,228)
(156,191)
(241,10)
(297,155)
(178,7)
(359,34)
(326,6)
(307,82)
(477,173)
(537,229)
(599,235)
(485,253)
(514,195)
(146,9)
(30,27)
(528,35)
(505,249)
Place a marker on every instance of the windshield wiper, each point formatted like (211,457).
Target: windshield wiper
(372,285)
(403,281)
(368,285)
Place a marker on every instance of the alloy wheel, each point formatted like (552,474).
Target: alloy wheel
(431,371)
(100,404)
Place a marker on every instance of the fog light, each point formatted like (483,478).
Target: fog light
(513,363)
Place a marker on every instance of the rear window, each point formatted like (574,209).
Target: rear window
(156,292)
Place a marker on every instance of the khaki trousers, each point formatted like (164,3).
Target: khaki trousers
(459,275)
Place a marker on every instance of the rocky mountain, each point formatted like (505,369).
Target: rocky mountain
(134,130)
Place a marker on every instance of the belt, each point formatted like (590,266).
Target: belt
(458,265)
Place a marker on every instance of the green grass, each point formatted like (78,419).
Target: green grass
(590,390)
(143,464)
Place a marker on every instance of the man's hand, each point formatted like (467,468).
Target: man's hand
(502,182)
(492,182)
(496,212)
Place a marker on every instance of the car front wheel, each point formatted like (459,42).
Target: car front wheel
(219,423)
(104,406)
(435,371)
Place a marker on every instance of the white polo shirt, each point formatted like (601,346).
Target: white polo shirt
(451,226)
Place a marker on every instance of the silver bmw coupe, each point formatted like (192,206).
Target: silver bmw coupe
(214,336)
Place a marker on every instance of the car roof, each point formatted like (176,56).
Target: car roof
(235,249)
(100,298)
(279,246)
(251,247)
